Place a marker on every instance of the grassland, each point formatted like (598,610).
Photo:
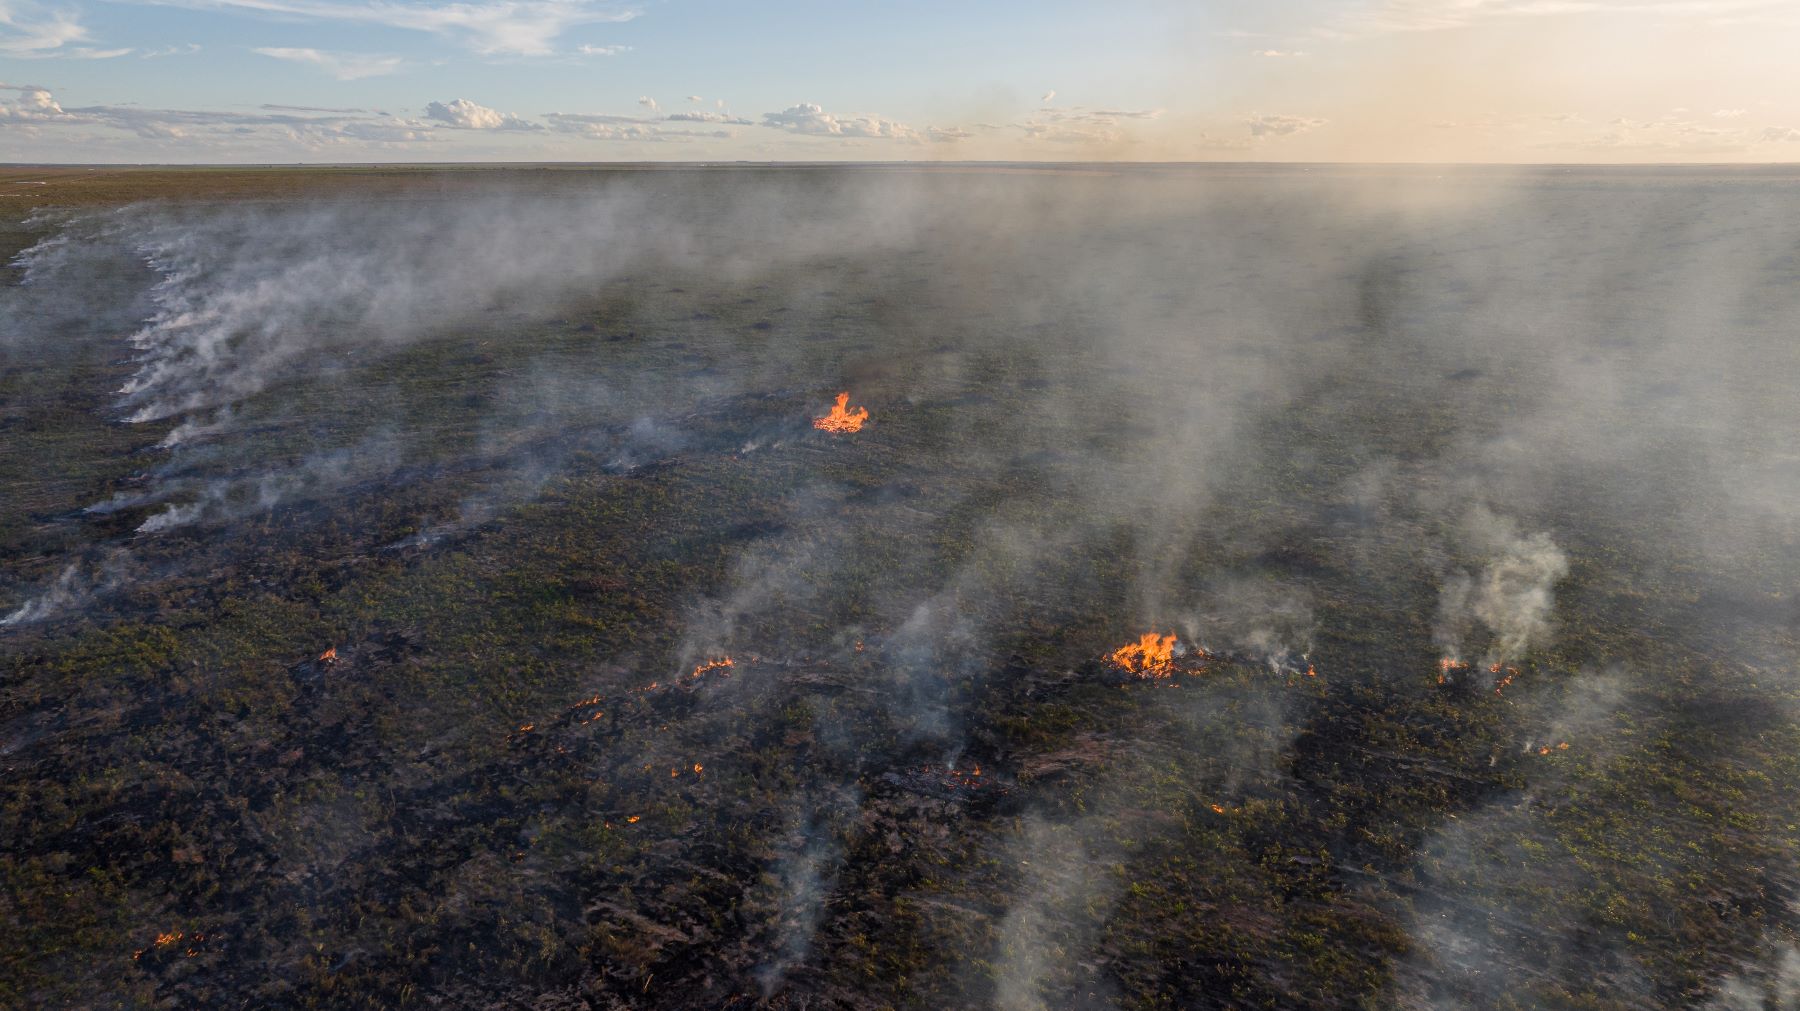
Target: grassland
(510,789)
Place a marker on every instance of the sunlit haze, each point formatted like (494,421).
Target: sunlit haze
(1615,81)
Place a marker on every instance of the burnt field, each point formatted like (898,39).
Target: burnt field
(1247,588)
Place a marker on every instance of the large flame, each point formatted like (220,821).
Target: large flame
(1152,656)
(840,420)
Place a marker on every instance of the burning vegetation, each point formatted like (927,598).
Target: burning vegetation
(1152,656)
(841,420)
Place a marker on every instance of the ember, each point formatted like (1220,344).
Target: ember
(842,421)
(329,656)
(1152,656)
(1449,665)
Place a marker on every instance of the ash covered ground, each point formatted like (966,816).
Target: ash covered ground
(1250,587)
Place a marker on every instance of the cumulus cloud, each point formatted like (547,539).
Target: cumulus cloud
(1048,95)
(704,116)
(343,66)
(32,106)
(489,27)
(812,120)
(1280,126)
(648,103)
(36,106)
(463,114)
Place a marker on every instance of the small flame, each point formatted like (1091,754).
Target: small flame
(842,421)
(633,820)
(1152,656)
(698,768)
(1511,672)
(710,665)
(1448,665)
(1217,808)
(329,656)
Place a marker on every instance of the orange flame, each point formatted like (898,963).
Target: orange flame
(1511,672)
(842,421)
(1152,656)
(1448,664)
(719,664)
(329,656)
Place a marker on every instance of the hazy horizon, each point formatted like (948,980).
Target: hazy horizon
(1428,81)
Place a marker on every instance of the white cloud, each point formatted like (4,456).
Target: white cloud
(602,126)
(947,135)
(1280,126)
(812,120)
(587,50)
(1078,125)
(34,105)
(463,114)
(1048,95)
(648,103)
(221,130)
(489,27)
(1781,135)
(704,116)
(1278,54)
(696,99)
(1730,113)
(186,50)
(27,30)
(343,66)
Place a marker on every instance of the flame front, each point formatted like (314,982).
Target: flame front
(711,665)
(840,420)
(1151,656)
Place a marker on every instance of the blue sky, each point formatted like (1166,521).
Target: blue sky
(594,80)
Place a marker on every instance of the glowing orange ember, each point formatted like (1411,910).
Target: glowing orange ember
(329,656)
(1152,656)
(842,421)
(1449,664)
(633,820)
(698,768)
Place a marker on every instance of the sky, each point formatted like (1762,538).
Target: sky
(225,81)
